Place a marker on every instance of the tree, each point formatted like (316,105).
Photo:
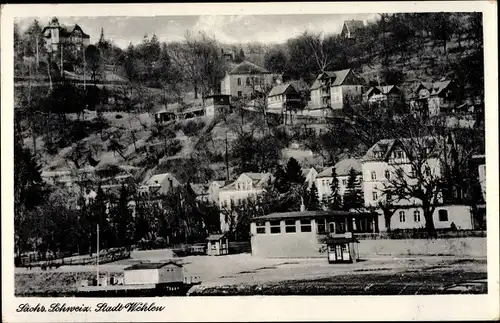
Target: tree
(122,219)
(93,62)
(275,60)
(29,190)
(281,183)
(353,196)
(294,172)
(334,201)
(312,202)
(240,56)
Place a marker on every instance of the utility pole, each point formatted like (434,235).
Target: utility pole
(227,161)
(97,255)
(62,68)
(84,67)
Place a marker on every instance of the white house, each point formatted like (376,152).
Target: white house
(380,164)
(246,79)
(153,273)
(282,96)
(247,185)
(342,168)
(331,88)
(159,184)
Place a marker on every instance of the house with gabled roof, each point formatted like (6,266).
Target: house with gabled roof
(383,93)
(350,28)
(281,97)
(247,80)
(330,89)
(57,35)
(434,98)
(159,184)
(388,157)
(246,186)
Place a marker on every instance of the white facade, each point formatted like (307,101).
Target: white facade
(413,218)
(323,184)
(169,273)
(247,185)
(377,175)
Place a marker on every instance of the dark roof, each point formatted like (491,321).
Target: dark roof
(298,215)
(342,168)
(353,25)
(65,30)
(385,147)
(247,67)
(336,78)
(215,237)
(152,265)
(281,89)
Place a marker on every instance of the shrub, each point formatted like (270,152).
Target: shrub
(192,128)
(173,147)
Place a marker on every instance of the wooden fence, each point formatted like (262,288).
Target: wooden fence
(105,257)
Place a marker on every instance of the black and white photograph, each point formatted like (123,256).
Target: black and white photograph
(276,154)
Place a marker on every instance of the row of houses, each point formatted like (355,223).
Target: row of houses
(330,89)
(374,172)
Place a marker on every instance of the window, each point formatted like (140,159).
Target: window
(416,216)
(275,226)
(261,227)
(374,175)
(305,225)
(248,81)
(344,182)
(290,226)
(387,174)
(402,216)
(240,94)
(321,225)
(239,82)
(443,215)
(375,196)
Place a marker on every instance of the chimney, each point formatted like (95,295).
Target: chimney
(302,206)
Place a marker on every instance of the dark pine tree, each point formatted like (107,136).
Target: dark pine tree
(123,219)
(281,183)
(334,201)
(353,197)
(313,203)
(294,172)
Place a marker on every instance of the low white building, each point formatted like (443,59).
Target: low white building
(154,273)
(342,168)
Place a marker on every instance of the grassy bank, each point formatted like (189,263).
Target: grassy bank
(50,283)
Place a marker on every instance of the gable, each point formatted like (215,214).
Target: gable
(351,79)
(345,30)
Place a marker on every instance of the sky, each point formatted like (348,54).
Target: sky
(231,29)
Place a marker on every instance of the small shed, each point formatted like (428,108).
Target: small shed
(217,244)
(154,273)
(342,249)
